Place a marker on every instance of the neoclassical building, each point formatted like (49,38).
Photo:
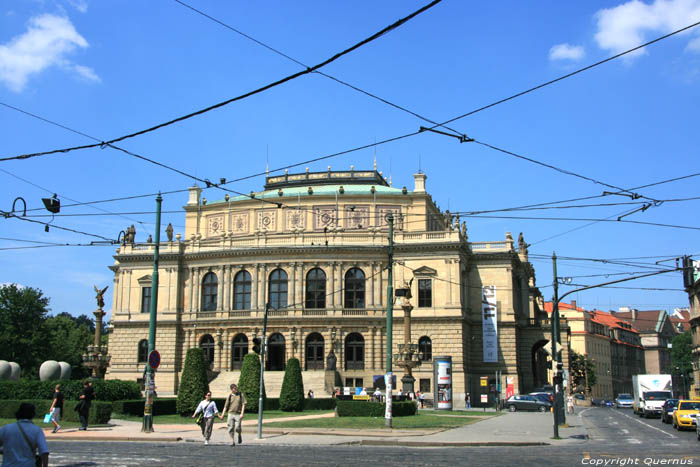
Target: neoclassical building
(314,246)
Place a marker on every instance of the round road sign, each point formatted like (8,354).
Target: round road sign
(154,359)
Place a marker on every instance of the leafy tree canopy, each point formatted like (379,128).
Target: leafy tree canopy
(578,364)
(682,353)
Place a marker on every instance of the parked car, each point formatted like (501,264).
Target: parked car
(580,397)
(668,408)
(624,401)
(544,396)
(597,402)
(527,402)
(608,403)
(685,413)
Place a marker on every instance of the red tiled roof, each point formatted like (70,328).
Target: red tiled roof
(645,320)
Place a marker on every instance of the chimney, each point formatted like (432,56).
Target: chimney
(420,182)
(573,304)
(195,193)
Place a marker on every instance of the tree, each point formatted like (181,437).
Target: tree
(193,383)
(578,365)
(249,382)
(292,394)
(23,340)
(68,340)
(682,357)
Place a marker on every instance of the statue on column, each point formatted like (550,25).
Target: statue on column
(100,296)
(331,361)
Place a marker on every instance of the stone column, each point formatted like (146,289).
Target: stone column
(292,289)
(227,351)
(300,286)
(197,289)
(372,285)
(226,271)
(450,300)
(128,292)
(221,271)
(263,286)
(331,285)
(117,293)
(219,347)
(254,286)
(190,285)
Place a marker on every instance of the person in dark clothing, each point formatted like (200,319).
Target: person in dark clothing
(86,398)
(56,409)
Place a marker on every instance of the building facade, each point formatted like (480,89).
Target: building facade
(314,247)
(691,281)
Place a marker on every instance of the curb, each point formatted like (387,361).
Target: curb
(425,444)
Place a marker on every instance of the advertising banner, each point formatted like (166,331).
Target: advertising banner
(489,323)
(510,386)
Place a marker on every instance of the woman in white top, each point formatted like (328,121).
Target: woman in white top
(208,408)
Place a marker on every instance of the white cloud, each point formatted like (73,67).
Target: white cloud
(629,24)
(47,42)
(566,52)
(80,5)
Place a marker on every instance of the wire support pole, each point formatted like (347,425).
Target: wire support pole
(263,346)
(147,426)
(389,324)
(555,339)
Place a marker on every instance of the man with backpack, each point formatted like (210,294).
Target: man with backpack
(234,408)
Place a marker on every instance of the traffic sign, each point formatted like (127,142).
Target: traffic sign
(154,359)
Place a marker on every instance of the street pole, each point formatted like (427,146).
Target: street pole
(555,338)
(263,346)
(147,426)
(389,323)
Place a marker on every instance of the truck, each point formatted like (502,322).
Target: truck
(650,393)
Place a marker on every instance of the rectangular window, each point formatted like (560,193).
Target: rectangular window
(145,299)
(425,385)
(425,293)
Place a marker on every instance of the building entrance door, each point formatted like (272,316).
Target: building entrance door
(314,352)
(207,345)
(276,353)
(239,349)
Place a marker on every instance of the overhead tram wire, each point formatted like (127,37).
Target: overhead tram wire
(586,220)
(325,75)
(53,226)
(291,77)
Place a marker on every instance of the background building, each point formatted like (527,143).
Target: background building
(691,281)
(314,246)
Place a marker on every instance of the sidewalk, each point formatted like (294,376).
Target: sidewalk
(509,429)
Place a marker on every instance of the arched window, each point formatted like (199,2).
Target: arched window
(277,295)
(276,358)
(241,291)
(206,343)
(354,352)
(314,351)
(143,351)
(210,286)
(316,289)
(355,288)
(425,348)
(239,349)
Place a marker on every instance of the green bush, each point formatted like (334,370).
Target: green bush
(292,393)
(249,382)
(100,411)
(193,383)
(327,403)
(135,407)
(271,403)
(105,390)
(374,409)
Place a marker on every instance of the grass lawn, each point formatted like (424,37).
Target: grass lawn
(419,421)
(38,422)
(177,419)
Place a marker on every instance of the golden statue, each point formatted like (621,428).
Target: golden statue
(100,296)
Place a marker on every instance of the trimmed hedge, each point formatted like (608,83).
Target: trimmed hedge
(319,404)
(100,411)
(374,409)
(135,407)
(193,382)
(292,393)
(249,382)
(105,390)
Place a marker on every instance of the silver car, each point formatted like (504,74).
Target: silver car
(624,401)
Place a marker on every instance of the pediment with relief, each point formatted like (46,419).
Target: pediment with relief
(424,271)
(145,280)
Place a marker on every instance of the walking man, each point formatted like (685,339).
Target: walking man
(234,408)
(83,406)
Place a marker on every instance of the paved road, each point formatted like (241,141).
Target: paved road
(615,436)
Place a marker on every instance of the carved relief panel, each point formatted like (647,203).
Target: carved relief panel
(295,219)
(240,223)
(356,217)
(325,217)
(266,219)
(382,220)
(215,225)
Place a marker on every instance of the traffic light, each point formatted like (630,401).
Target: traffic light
(256,344)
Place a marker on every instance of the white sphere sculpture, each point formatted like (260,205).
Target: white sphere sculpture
(5,370)
(49,370)
(15,371)
(65,370)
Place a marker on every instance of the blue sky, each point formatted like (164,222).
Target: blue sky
(107,69)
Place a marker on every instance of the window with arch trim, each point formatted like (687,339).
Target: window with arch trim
(354,352)
(143,351)
(425,348)
(277,293)
(210,285)
(355,288)
(241,290)
(315,289)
